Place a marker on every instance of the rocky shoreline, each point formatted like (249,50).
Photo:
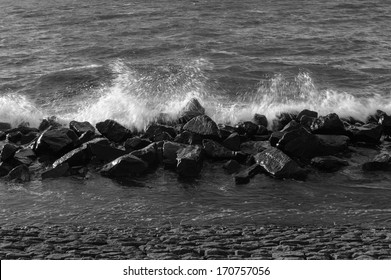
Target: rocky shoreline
(64,242)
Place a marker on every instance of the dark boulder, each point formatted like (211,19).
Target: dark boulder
(332,144)
(260,120)
(50,122)
(374,118)
(5,168)
(85,137)
(330,124)
(279,165)
(55,141)
(25,156)
(58,171)
(328,163)
(101,150)
(154,130)
(368,133)
(164,136)
(113,131)
(216,150)
(192,109)
(8,151)
(3,135)
(19,174)
(244,176)
(232,142)
(186,137)
(29,137)
(381,161)
(275,137)
(4,126)
(262,131)
(232,166)
(147,154)
(282,120)
(203,126)
(385,122)
(81,127)
(170,150)
(14,137)
(126,166)
(77,157)
(308,113)
(307,121)
(136,143)
(189,161)
(254,147)
(247,128)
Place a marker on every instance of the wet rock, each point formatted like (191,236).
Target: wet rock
(232,166)
(147,154)
(381,161)
(5,168)
(330,124)
(85,137)
(55,141)
(113,131)
(307,121)
(203,126)
(385,122)
(232,142)
(29,137)
(77,157)
(186,137)
(216,150)
(170,150)
(164,136)
(49,122)
(124,167)
(136,143)
(19,174)
(282,120)
(332,144)
(260,120)
(247,128)
(156,130)
(244,176)
(254,147)
(25,156)
(279,165)
(3,135)
(328,163)
(8,151)
(262,131)
(192,109)
(369,133)
(60,170)
(189,161)
(14,137)
(275,137)
(81,127)
(101,150)
(4,126)
(308,113)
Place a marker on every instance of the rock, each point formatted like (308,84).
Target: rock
(244,176)
(8,151)
(4,126)
(3,135)
(232,142)
(369,133)
(5,168)
(155,130)
(124,167)
(216,150)
(262,131)
(307,121)
(55,141)
(186,137)
(328,163)
(282,120)
(136,143)
(254,147)
(247,128)
(308,113)
(81,127)
(332,144)
(189,161)
(203,126)
(164,136)
(77,157)
(85,137)
(19,174)
(279,165)
(381,161)
(192,109)
(275,137)
(14,137)
(101,150)
(113,131)
(147,154)
(170,150)
(385,122)
(260,120)
(29,137)
(58,171)
(25,156)
(49,122)
(330,124)
(232,166)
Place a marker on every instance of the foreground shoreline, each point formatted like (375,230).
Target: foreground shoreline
(195,242)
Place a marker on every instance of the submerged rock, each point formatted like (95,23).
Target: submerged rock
(203,126)
(113,131)
(328,163)
(189,161)
(124,167)
(232,166)
(19,174)
(279,165)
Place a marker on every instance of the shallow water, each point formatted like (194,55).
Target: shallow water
(131,60)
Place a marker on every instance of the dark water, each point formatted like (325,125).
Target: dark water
(130,60)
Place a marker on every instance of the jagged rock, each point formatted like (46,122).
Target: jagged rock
(19,174)
(164,136)
(279,165)
(170,150)
(375,117)
(14,137)
(147,154)
(136,143)
(203,126)
(216,150)
(81,127)
(5,168)
(247,128)
(282,120)
(3,135)
(308,113)
(55,141)
(156,130)
(186,137)
(4,126)
(192,109)
(385,121)
(25,156)
(254,147)
(49,122)
(85,137)
(124,167)
(244,176)
(381,161)
(8,151)
(101,150)
(275,137)
(262,130)
(232,166)
(77,157)
(232,142)
(328,163)
(58,171)
(189,161)
(260,120)
(113,131)
(330,124)
(307,121)
(369,133)
(29,137)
